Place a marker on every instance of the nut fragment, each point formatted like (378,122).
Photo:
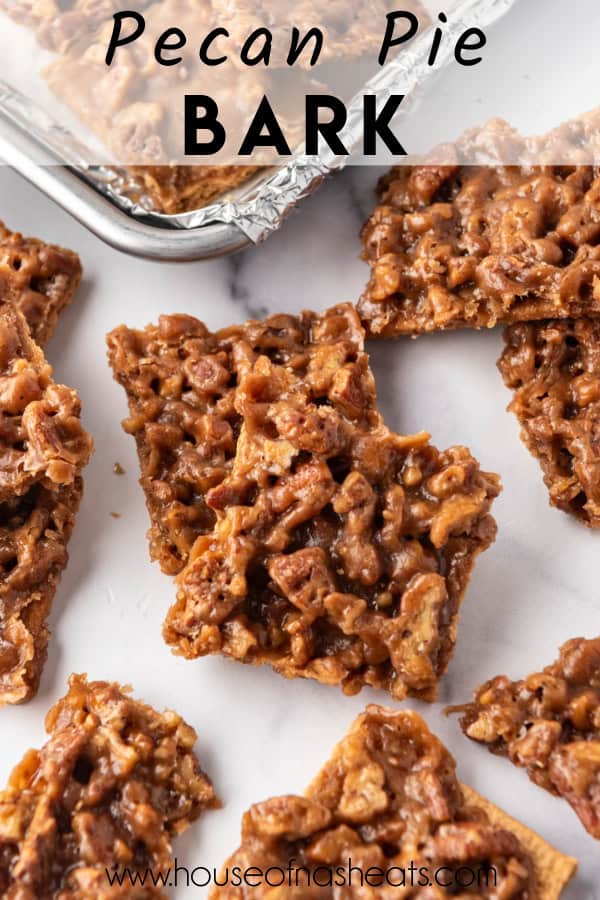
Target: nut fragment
(114,783)
(548,723)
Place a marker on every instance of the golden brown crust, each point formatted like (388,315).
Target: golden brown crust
(553,367)
(473,246)
(388,797)
(549,724)
(39,279)
(340,551)
(43,451)
(553,869)
(114,783)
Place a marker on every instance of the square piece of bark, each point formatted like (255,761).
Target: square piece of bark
(114,783)
(553,368)
(476,246)
(387,802)
(39,279)
(341,551)
(549,724)
(43,451)
(181,382)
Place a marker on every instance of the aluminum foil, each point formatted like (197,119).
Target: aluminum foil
(259,207)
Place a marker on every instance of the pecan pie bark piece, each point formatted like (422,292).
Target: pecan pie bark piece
(43,451)
(181,381)
(387,799)
(457,246)
(114,783)
(39,279)
(553,368)
(549,724)
(341,551)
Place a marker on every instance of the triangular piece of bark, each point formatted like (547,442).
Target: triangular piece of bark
(341,551)
(114,783)
(39,279)
(385,808)
(549,724)
(43,451)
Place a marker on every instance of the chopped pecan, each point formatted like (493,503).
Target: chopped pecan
(114,783)
(549,724)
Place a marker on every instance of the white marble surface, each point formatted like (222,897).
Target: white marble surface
(258,734)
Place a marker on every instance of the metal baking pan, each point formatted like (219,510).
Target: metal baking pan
(67,186)
(45,153)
